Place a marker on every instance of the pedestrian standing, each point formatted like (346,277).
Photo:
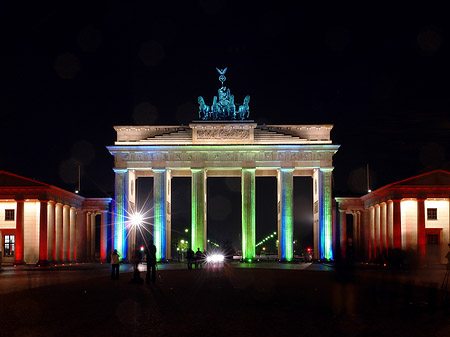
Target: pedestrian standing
(115,263)
(189,257)
(151,263)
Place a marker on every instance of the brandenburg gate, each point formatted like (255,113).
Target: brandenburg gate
(223,143)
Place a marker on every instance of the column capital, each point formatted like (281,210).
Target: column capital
(326,169)
(120,170)
(19,199)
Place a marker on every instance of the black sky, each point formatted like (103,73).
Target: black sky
(72,71)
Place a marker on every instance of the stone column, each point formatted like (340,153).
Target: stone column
(198,213)
(390,224)
(92,250)
(248,213)
(316,212)
(43,218)
(397,223)
(58,232)
(383,228)
(371,232)
(51,232)
(66,233)
(103,237)
(81,236)
(326,235)
(359,238)
(19,238)
(159,209)
(169,216)
(343,232)
(120,210)
(88,236)
(378,247)
(421,237)
(72,235)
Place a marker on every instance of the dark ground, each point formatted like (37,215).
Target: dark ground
(228,302)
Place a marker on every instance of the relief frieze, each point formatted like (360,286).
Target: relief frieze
(223,134)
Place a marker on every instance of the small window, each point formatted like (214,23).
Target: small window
(9,215)
(432,213)
(9,245)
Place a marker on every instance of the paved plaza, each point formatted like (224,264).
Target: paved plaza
(265,299)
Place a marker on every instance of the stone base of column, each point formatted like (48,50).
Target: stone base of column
(19,262)
(43,263)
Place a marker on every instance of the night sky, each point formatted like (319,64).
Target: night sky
(71,72)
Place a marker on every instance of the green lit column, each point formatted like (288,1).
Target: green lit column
(159,209)
(285,214)
(198,211)
(326,233)
(248,213)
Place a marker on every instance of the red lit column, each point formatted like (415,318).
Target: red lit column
(343,232)
(51,232)
(103,237)
(92,257)
(43,225)
(72,238)
(81,237)
(371,232)
(421,239)
(397,223)
(58,232)
(66,233)
(87,236)
(19,254)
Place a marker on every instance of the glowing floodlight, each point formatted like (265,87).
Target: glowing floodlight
(215,258)
(136,219)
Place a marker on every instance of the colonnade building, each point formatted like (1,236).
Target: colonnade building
(41,223)
(231,148)
(410,215)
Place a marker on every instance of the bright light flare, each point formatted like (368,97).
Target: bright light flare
(136,219)
(215,258)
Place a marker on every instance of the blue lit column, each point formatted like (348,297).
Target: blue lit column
(120,209)
(248,213)
(159,208)
(198,209)
(285,214)
(325,225)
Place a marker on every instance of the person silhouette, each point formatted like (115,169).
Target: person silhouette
(151,263)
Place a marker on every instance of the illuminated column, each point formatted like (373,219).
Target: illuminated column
(66,233)
(88,236)
(169,215)
(316,214)
(383,227)
(92,257)
(397,223)
(72,234)
(159,208)
(103,236)
(359,237)
(325,235)
(421,237)
(390,224)
(58,231)
(43,259)
(198,209)
(343,232)
(120,209)
(81,237)
(377,245)
(19,253)
(248,213)
(285,214)
(365,235)
(355,230)
(371,232)
(51,232)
